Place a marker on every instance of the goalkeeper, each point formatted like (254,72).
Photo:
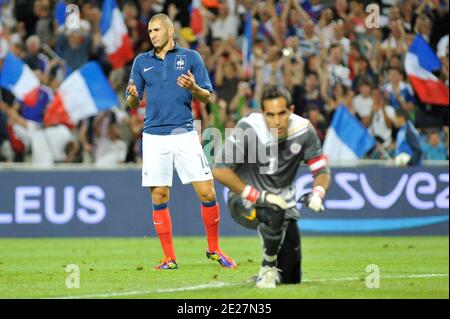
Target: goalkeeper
(262,194)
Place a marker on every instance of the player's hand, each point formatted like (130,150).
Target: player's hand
(186,81)
(131,89)
(263,198)
(314,199)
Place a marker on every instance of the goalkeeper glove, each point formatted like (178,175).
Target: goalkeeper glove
(314,199)
(263,198)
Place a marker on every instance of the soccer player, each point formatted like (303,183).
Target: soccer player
(262,194)
(171,76)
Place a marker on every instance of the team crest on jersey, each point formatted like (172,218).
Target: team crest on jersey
(295,148)
(180,62)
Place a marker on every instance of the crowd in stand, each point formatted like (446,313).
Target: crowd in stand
(324,52)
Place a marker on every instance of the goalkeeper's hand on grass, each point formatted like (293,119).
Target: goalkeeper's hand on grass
(263,198)
(314,200)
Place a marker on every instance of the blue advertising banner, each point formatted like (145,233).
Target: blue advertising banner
(381,200)
(362,200)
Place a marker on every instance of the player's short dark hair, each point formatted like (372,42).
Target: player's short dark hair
(164,18)
(273,92)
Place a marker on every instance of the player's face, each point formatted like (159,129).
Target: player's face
(276,114)
(159,33)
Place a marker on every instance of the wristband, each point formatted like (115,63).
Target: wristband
(250,193)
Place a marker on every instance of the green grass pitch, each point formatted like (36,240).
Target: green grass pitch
(334,267)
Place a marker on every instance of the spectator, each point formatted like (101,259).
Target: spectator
(110,150)
(309,94)
(272,70)
(137,30)
(338,97)
(363,102)
(424,26)
(293,64)
(399,93)
(338,72)
(313,8)
(268,21)
(434,149)
(317,120)
(228,73)
(44,24)
(382,119)
(341,10)
(324,28)
(34,58)
(75,47)
(292,16)
(341,39)
(408,150)
(357,16)
(48,145)
(406,10)
(147,8)
(321,51)
(243,102)
(363,71)
(309,40)
(442,47)
(395,43)
(225,25)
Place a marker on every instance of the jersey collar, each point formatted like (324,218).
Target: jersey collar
(174,49)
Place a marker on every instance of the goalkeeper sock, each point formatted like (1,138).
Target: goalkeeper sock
(270,261)
(163,227)
(211,219)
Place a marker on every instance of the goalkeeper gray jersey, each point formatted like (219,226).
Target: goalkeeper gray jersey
(265,162)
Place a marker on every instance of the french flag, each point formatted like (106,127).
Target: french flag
(196,18)
(347,139)
(247,45)
(115,35)
(420,61)
(18,78)
(84,93)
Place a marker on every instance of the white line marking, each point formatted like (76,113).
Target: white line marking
(229,284)
(156,291)
(384,277)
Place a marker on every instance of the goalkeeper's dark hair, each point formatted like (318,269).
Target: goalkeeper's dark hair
(273,92)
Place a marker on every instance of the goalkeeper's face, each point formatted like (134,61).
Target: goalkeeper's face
(276,114)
